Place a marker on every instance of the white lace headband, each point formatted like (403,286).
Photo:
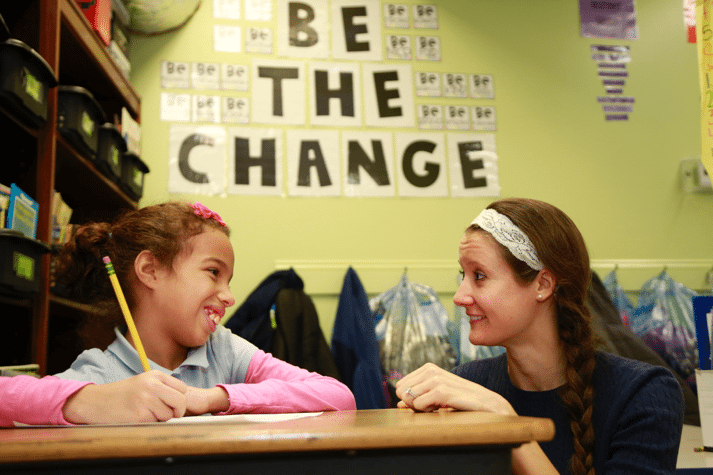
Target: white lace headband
(506,233)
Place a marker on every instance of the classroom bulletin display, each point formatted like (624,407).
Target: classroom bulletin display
(336,108)
(704,44)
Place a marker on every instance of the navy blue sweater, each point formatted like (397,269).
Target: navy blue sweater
(638,413)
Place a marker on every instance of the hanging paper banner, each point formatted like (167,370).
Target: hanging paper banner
(335,94)
(254,161)
(280,85)
(196,162)
(303,29)
(313,163)
(473,165)
(368,166)
(356,30)
(704,35)
(422,164)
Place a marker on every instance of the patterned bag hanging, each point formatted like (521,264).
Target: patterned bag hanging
(411,329)
(618,295)
(663,318)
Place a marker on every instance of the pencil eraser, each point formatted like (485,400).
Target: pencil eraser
(106,260)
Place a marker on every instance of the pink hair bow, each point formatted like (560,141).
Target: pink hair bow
(201,210)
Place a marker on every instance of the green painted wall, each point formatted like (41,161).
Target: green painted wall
(619,181)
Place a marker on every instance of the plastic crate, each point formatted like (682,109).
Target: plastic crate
(110,150)
(79,116)
(20,259)
(25,81)
(133,171)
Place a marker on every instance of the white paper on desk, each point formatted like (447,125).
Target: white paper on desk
(204,419)
(238,418)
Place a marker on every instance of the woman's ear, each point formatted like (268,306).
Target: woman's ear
(546,284)
(147,268)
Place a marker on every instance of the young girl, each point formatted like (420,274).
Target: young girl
(525,277)
(174,262)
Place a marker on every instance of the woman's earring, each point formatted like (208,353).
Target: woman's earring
(539,297)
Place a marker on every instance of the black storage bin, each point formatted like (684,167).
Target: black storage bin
(133,170)
(79,116)
(25,80)
(20,259)
(110,150)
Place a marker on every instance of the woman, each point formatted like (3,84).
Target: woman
(525,277)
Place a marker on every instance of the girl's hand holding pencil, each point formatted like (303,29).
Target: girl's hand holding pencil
(148,397)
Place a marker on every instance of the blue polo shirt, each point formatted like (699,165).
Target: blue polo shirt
(223,359)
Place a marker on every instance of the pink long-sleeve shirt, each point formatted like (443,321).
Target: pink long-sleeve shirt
(271,386)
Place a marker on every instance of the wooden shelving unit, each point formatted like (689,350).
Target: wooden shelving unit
(43,328)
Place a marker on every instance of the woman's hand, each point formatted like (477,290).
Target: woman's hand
(430,388)
(147,397)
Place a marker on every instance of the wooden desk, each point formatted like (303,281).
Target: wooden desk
(393,441)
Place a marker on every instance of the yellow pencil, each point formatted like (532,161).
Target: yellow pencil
(127,314)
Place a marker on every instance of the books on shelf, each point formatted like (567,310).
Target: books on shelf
(131,131)
(22,212)
(61,215)
(4,204)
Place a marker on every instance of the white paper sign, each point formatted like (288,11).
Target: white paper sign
(227,38)
(206,108)
(396,15)
(175,75)
(196,161)
(481,86)
(258,40)
(422,164)
(258,10)
(313,163)
(483,118)
(430,116)
(704,383)
(425,16)
(368,164)
(428,48)
(175,107)
(228,9)
(457,118)
(398,47)
(236,110)
(234,77)
(254,161)
(205,75)
(473,165)
(455,85)
(428,84)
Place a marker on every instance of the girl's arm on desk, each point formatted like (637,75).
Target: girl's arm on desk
(273,386)
(29,400)
(148,397)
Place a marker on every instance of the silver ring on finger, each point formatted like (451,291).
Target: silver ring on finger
(410,392)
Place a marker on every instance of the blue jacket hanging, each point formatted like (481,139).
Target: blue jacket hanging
(354,345)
